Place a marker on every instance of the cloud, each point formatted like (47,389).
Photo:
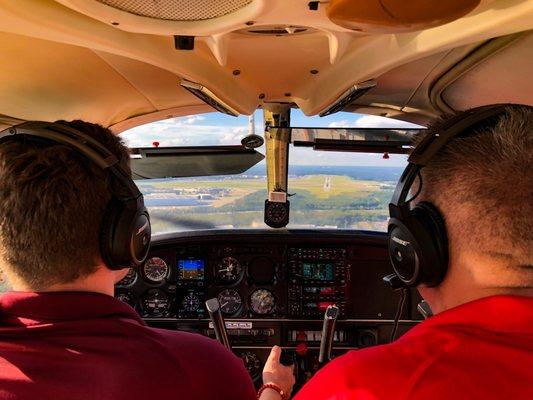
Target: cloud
(373,121)
(339,124)
(190,120)
(231,138)
(194,130)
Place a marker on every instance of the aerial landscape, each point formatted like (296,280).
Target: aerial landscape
(321,197)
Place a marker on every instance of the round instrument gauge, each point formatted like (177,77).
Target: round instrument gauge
(126,297)
(191,302)
(155,303)
(230,301)
(229,270)
(262,302)
(129,279)
(155,269)
(252,364)
(262,270)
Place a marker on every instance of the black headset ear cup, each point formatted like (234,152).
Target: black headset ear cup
(404,252)
(418,247)
(125,234)
(107,232)
(435,244)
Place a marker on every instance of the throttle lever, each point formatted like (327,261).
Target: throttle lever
(287,357)
(328,331)
(213,308)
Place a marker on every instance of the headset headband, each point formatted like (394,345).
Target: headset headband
(86,145)
(432,144)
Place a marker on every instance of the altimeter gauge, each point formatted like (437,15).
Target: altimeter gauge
(155,269)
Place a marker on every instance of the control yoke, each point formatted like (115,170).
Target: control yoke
(328,332)
(213,308)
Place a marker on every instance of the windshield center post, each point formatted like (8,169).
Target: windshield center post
(277,137)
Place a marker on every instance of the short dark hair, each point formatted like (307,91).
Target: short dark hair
(53,201)
(482,182)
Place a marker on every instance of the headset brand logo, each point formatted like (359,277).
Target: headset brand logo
(400,241)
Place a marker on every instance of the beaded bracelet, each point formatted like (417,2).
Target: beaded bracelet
(273,387)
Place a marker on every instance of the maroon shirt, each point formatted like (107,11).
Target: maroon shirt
(76,345)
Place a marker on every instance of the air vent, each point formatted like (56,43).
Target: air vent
(178,10)
(348,97)
(277,30)
(208,97)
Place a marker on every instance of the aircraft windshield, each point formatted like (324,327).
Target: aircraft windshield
(329,189)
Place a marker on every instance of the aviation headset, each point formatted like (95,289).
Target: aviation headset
(417,239)
(125,230)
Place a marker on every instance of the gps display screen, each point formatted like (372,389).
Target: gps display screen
(318,271)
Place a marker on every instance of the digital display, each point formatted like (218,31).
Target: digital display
(318,271)
(191,269)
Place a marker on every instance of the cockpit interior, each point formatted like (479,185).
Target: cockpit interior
(267,137)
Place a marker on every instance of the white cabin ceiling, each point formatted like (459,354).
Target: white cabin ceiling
(68,59)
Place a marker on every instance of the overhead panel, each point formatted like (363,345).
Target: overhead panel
(178,10)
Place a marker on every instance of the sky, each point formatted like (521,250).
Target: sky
(219,129)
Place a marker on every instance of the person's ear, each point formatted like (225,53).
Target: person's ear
(119,274)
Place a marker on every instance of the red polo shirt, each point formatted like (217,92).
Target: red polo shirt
(77,346)
(480,350)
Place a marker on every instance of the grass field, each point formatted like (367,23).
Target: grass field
(339,185)
(312,183)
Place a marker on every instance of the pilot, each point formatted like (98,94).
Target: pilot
(479,342)
(62,333)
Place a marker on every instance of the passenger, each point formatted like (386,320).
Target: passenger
(479,343)
(62,334)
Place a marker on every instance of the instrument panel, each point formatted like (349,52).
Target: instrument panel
(273,288)
(249,282)
(175,282)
